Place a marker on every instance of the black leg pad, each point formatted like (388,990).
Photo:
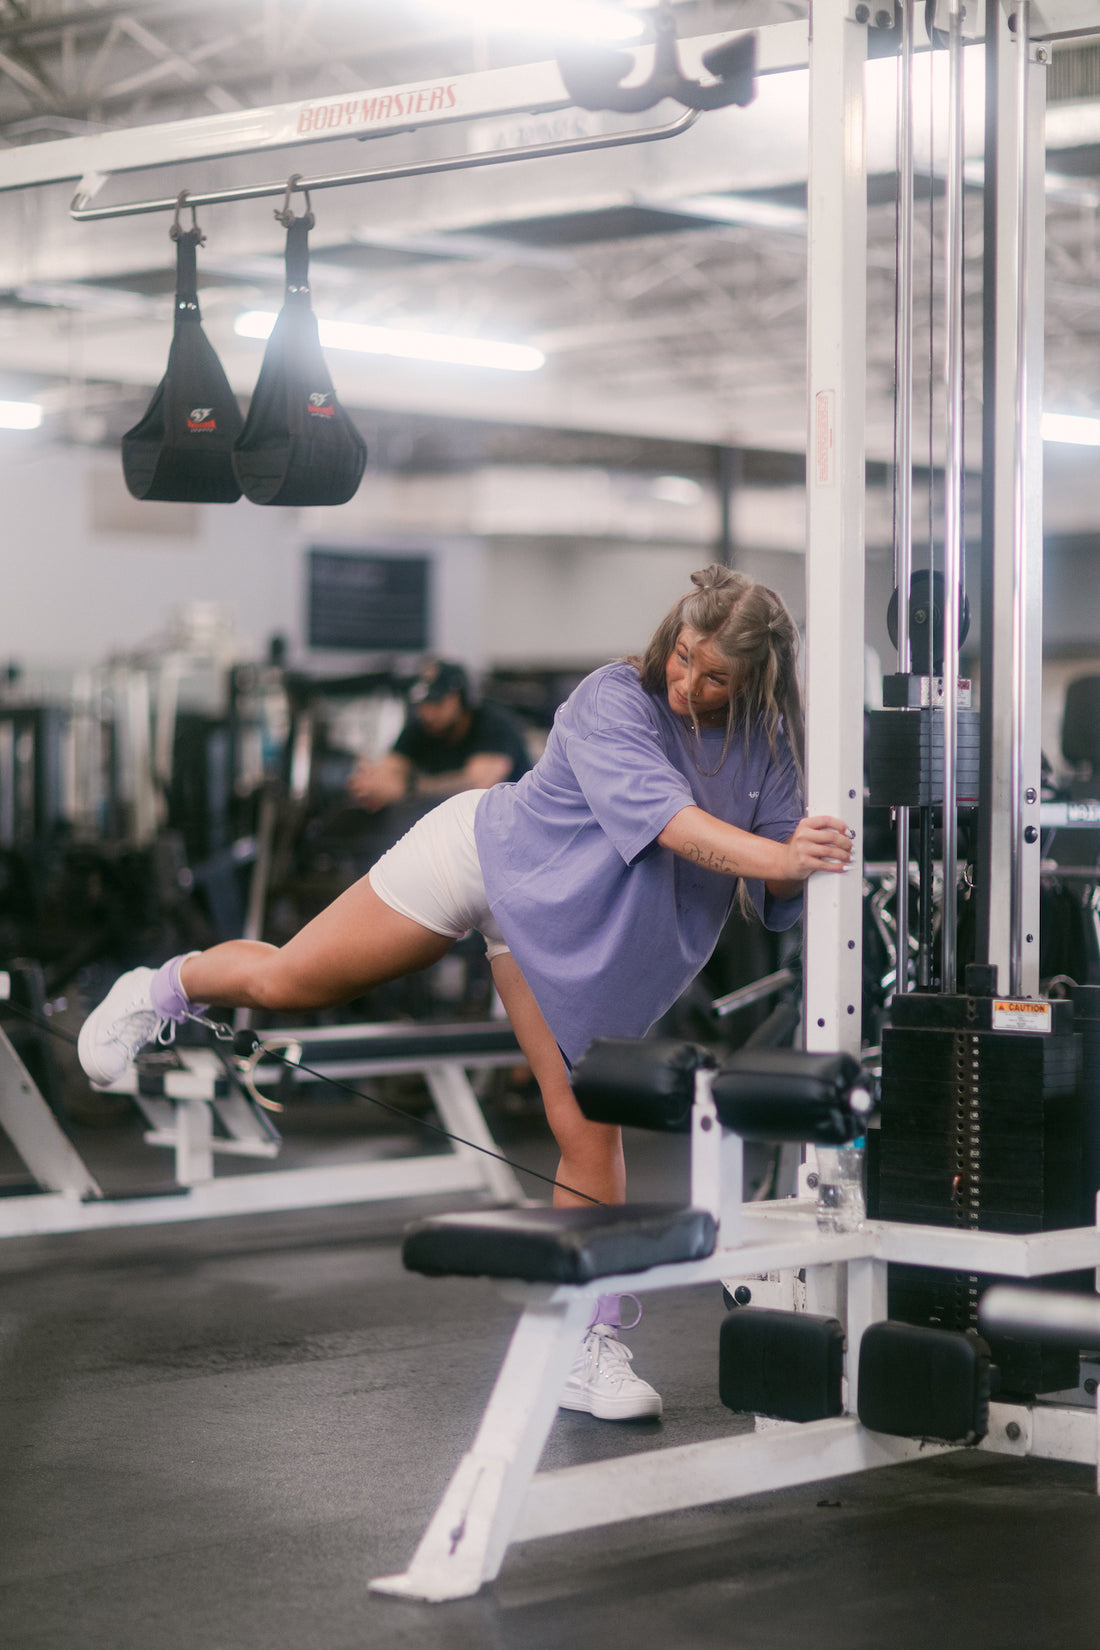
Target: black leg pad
(924,1383)
(644,1083)
(784,1364)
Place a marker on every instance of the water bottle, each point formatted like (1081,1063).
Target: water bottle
(841,1206)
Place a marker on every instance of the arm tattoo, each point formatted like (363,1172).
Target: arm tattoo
(709,859)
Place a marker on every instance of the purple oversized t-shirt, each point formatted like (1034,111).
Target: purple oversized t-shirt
(608,927)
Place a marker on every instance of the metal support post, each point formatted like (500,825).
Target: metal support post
(1012,470)
(903,444)
(717,1163)
(835,491)
(35,1133)
(194,1143)
(457,1105)
(465,1543)
(954,299)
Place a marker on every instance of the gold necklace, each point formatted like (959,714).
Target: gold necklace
(692,734)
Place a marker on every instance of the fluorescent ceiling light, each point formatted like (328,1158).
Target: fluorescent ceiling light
(1081,432)
(740,209)
(581,19)
(413,346)
(20,415)
(677,490)
(1074,191)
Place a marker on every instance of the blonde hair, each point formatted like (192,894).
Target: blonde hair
(753,630)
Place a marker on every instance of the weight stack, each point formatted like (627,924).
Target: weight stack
(905,758)
(1086,1020)
(981,1130)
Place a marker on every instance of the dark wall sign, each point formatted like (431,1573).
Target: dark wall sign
(370,602)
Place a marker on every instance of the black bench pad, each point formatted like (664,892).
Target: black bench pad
(559,1245)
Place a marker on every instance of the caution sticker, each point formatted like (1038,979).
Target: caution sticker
(1021,1016)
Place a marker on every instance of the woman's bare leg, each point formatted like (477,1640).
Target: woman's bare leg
(356,943)
(591,1153)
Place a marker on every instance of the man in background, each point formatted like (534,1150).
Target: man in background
(448,744)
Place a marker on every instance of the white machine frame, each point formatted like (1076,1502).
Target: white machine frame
(497,1496)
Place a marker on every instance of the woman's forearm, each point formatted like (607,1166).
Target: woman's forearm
(704,840)
(822,843)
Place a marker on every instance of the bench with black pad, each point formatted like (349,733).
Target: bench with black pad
(651,1084)
(561,1259)
(771,1094)
(560,1245)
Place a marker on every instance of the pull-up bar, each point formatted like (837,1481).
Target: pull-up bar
(413,169)
(522,91)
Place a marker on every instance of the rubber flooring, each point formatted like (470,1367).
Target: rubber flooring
(212,1435)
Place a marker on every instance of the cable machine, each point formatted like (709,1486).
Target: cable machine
(998,1063)
(980,1119)
(964,1207)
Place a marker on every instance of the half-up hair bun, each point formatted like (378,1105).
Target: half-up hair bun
(712,577)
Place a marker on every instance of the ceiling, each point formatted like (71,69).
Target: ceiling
(664,281)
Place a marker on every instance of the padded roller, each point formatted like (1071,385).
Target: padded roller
(1058,1319)
(789,1094)
(784,1364)
(573,1245)
(647,1085)
(924,1383)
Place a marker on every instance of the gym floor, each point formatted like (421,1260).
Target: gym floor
(213,1434)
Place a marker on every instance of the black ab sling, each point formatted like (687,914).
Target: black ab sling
(181,450)
(298,446)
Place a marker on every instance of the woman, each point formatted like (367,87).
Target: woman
(600,881)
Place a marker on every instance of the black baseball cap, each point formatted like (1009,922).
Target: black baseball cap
(436,681)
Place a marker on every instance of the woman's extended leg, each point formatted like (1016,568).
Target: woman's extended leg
(591,1153)
(356,943)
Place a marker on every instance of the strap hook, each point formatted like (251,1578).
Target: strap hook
(284,214)
(177,230)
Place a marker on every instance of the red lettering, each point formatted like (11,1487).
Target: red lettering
(428,100)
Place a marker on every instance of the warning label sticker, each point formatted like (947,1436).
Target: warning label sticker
(1021,1016)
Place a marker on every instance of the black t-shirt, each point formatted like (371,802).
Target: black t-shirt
(492,730)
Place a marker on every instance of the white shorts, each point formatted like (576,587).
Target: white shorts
(433,875)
